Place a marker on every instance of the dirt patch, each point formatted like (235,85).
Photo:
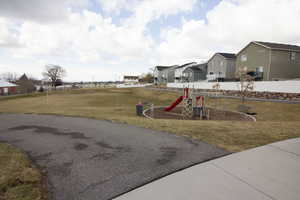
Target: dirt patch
(109,151)
(214,114)
(50,130)
(108,146)
(63,169)
(103,156)
(80,146)
(168,154)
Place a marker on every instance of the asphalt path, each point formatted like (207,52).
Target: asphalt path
(92,159)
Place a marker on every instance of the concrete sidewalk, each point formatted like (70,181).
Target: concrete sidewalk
(267,172)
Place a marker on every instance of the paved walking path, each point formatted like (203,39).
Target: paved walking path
(98,160)
(271,172)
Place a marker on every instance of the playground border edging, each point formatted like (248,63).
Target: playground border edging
(250,116)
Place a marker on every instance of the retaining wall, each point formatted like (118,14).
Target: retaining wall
(259,86)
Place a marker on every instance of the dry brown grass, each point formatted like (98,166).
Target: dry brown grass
(276,121)
(19,180)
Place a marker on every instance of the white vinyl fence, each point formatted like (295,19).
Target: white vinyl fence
(259,86)
(132,85)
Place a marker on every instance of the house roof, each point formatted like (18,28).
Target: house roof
(131,77)
(159,68)
(225,55)
(278,46)
(195,68)
(228,55)
(6,84)
(171,68)
(184,65)
(23,78)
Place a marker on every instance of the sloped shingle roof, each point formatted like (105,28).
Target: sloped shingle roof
(279,46)
(228,55)
(195,68)
(23,78)
(184,65)
(159,68)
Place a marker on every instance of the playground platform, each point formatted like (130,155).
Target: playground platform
(270,172)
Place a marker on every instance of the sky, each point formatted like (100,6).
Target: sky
(102,40)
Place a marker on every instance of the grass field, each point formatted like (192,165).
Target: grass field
(19,180)
(275,121)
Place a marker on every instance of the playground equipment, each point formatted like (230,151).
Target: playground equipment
(193,106)
(141,106)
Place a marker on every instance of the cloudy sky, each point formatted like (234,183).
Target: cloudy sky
(104,39)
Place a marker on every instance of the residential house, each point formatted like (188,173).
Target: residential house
(7,88)
(168,74)
(270,61)
(195,73)
(131,79)
(157,74)
(25,85)
(178,73)
(221,67)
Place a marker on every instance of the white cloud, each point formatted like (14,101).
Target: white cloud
(67,35)
(43,11)
(149,10)
(230,26)
(8,38)
(87,37)
(118,5)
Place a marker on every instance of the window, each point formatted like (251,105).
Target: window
(252,73)
(260,69)
(259,73)
(211,73)
(293,55)
(244,58)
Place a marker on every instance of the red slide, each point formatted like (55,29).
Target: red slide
(174,104)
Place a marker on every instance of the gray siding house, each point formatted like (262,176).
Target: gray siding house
(179,76)
(164,74)
(270,61)
(158,75)
(169,74)
(195,73)
(221,67)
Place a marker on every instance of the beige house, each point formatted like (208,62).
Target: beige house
(270,61)
(221,67)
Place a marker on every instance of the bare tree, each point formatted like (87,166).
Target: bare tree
(9,76)
(217,87)
(246,83)
(54,73)
(147,78)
